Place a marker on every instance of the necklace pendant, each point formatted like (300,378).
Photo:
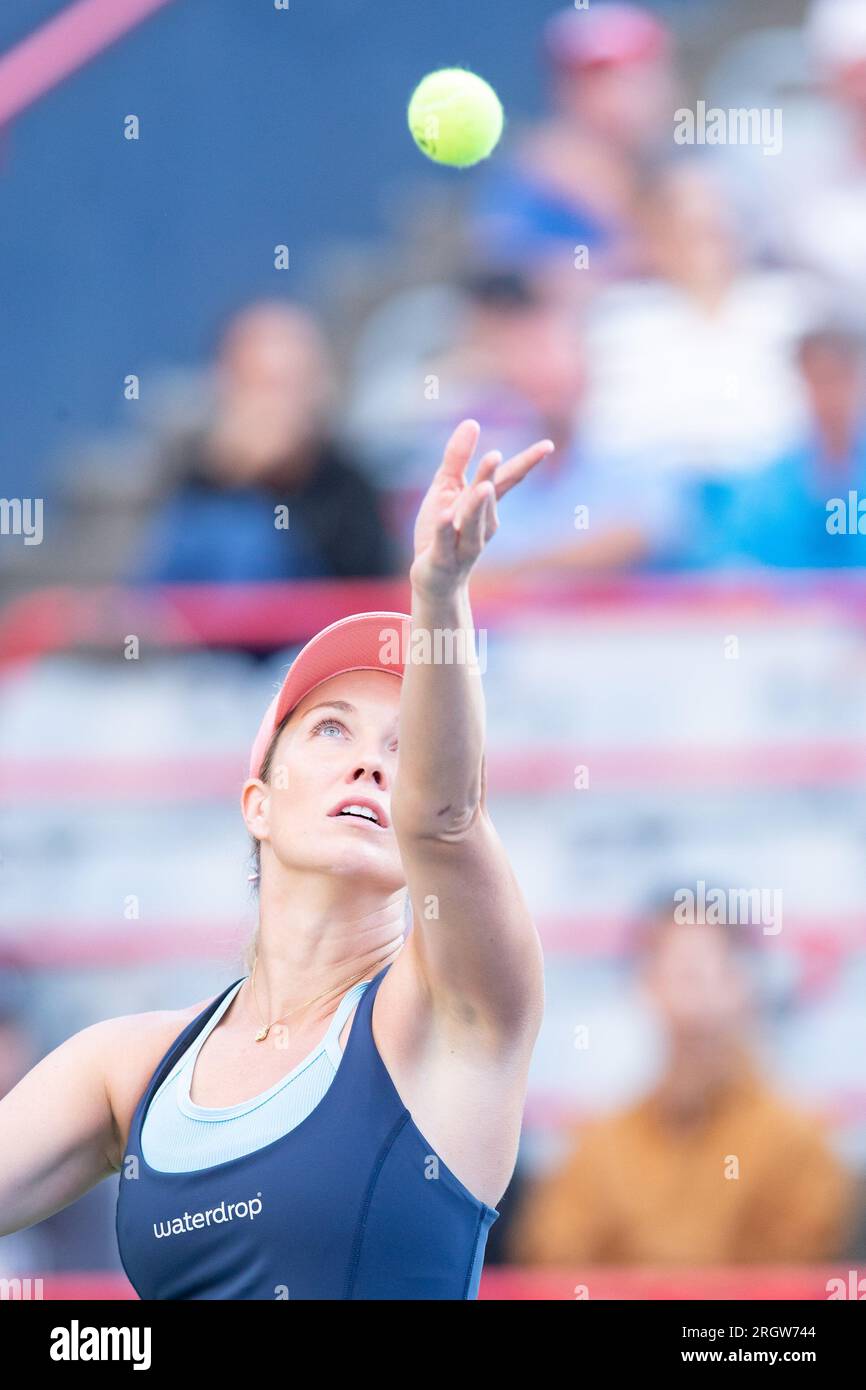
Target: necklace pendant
(262,1034)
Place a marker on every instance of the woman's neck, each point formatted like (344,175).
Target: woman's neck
(312,945)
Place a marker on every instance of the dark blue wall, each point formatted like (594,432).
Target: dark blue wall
(258,126)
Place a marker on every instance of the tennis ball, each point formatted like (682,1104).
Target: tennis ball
(455,117)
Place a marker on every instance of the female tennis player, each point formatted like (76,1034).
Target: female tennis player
(340,1122)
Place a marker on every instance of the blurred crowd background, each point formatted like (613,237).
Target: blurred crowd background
(688,323)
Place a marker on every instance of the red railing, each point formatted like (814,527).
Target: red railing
(273,615)
(599,1283)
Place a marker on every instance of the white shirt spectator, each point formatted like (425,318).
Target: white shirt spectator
(714,392)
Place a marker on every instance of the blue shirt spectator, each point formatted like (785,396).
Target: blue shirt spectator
(796,514)
(568,183)
(262,492)
(325,524)
(802,511)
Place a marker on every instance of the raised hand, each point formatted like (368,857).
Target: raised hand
(457,518)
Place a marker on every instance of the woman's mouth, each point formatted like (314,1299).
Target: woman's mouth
(361,809)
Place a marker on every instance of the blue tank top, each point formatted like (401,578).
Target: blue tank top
(352,1203)
(177,1135)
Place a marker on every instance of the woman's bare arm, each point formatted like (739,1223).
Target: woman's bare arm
(63,1128)
(476,952)
(56,1129)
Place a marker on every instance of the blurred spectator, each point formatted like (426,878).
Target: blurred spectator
(519,361)
(691,368)
(780,516)
(520,369)
(572,179)
(820,218)
(263,493)
(655,1184)
(490,346)
(516,363)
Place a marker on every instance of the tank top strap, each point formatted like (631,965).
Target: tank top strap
(361,994)
(347,1003)
(331,1040)
(204,1032)
(185,1058)
(173,1055)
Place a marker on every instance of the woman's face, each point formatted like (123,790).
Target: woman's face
(338,749)
(700,990)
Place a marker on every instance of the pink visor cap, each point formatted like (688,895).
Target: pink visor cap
(361,642)
(605,35)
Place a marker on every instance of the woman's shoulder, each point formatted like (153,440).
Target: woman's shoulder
(138,1028)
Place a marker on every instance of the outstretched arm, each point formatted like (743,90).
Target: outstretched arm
(474,946)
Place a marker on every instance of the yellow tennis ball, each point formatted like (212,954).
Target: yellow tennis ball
(455,117)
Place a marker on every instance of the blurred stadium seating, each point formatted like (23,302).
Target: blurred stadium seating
(720,718)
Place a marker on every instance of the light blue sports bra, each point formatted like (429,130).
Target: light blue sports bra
(179,1136)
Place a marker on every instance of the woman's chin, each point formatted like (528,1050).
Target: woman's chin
(356,855)
(368,862)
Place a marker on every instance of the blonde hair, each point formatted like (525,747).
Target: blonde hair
(252,946)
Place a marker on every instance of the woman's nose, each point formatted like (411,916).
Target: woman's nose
(371,768)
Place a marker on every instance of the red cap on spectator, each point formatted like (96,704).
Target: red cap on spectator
(604,36)
(361,642)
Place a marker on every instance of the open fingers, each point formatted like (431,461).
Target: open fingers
(509,474)
(459,450)
(487,467)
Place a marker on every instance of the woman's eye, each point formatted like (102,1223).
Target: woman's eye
(328,724)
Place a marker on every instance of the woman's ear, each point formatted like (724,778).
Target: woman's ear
(255,807)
